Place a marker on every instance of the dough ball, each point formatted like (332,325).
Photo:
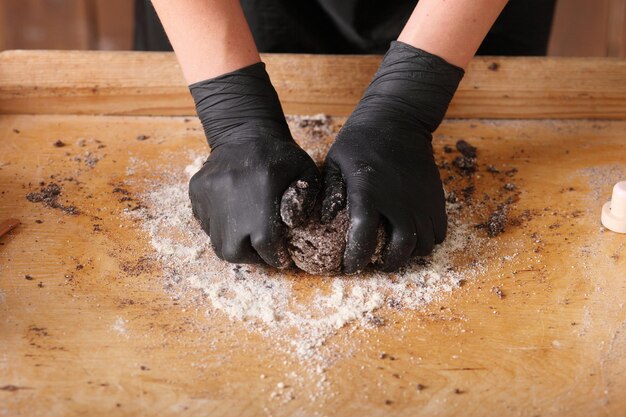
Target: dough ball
(318,248)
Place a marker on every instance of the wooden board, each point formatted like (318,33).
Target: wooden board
(115,23)
(81,336)
(135,83)
(85,332)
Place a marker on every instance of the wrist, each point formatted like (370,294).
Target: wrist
(435,59)
(411,86)
(242,104)
(452,30)
(209,37)
(225,60)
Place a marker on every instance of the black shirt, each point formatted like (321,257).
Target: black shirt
(357,26)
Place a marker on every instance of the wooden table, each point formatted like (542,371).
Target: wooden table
(80,334)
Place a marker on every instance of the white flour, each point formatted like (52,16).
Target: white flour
(267,300)
(119,326)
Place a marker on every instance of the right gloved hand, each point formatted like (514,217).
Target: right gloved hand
(381,165)
(240,193)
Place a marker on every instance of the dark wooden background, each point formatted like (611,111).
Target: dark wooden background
(66,24)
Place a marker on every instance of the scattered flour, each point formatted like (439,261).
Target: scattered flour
(601,179)
(267,300)
(119,326)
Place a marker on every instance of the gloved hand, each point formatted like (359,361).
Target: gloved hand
(382,160)
(237,194)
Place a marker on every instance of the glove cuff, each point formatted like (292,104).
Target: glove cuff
(239,104)
(410,84)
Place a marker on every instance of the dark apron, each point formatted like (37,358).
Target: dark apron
(357,26)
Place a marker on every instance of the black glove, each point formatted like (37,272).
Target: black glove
(237,194)
(383,160)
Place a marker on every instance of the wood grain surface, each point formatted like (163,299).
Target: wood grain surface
(582,28)
(85,331)
(139,83)
(81,332)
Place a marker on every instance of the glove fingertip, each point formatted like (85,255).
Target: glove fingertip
(297,201)
(334,200)
(440,227)
(398,250)
(272,248)
(334,191)
(362,240)
(332,204)
(279,259)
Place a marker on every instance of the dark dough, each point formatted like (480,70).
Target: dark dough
(317,248)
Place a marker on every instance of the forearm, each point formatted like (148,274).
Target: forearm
(451,29)
(210,37)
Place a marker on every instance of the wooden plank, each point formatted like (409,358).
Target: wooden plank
(3,35)
(617,29)
(583,28)
(95,340)
(579,28)
(114,24)
(140,83)
(46,24)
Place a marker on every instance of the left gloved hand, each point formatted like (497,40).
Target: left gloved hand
(257,180)
(382,165)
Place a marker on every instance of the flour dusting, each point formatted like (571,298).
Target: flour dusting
(271,301)
(119,326)
(265,298)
